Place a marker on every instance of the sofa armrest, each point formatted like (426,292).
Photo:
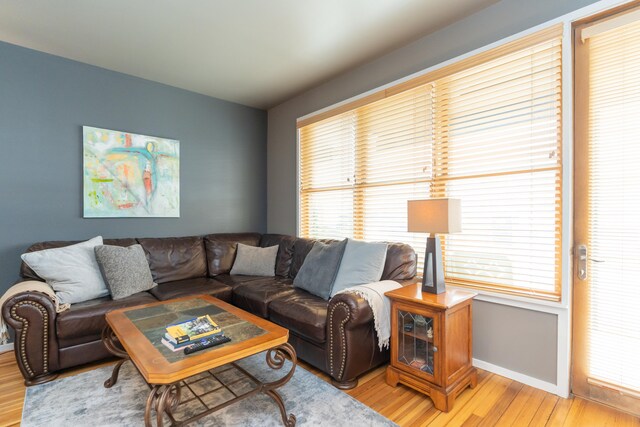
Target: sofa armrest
(355,309)
(352,344)
(33,317)
(349,309)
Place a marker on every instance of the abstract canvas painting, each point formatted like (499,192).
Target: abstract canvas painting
(130,175)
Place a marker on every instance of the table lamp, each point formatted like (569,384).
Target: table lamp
(433,216)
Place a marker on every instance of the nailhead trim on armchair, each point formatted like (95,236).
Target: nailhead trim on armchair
(343,353)
(23,335)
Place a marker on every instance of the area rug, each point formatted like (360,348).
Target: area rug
(81,400)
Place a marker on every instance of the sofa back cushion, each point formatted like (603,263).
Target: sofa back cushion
(27,273)
(301,248)
(221,250)
(285,251)
(401,262)
(175,258)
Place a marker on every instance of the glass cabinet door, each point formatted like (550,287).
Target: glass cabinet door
(415,341)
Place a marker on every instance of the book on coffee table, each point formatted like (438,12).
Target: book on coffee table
(191,330)
(175,347)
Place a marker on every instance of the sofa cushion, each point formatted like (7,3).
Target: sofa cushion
(302,313)
(255,296)
(27,273)
(175,258)
(285,251)
(235,281)
(188,287)
(72,271)
(125,270)
(401,262)
(221,249)
(254,261)
(84,321)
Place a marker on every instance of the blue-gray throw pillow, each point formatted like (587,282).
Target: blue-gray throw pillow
(362,263)
(320,267)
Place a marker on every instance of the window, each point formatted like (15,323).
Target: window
(486,130)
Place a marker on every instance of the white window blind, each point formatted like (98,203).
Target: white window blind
(499,151)
(358,168)
(614,206)
(327,177)
(486,131)
(394,164)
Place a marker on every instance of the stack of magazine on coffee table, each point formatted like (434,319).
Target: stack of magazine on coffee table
(186,333)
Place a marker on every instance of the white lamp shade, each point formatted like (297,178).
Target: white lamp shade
(434,216)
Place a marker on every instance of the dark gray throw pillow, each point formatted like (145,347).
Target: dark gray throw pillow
(320,267)
(125,270)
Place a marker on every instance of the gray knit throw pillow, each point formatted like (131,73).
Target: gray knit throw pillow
(125,270)
(254,261)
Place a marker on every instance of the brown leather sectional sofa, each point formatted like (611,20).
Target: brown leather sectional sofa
(336,336)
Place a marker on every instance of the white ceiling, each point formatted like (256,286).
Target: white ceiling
(254,52)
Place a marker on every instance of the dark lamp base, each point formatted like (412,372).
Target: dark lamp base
(433,276)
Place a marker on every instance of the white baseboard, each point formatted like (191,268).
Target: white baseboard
(517,376)
(6,347)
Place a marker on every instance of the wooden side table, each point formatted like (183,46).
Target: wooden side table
(431,343)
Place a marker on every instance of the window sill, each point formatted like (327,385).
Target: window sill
(516,301)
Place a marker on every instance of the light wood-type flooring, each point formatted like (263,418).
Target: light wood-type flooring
(495,401)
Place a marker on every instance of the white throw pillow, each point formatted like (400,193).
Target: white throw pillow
(72,271)
(254,261)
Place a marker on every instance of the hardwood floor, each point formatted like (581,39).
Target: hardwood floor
(11,390)
(496,401)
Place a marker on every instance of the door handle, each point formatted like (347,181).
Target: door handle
(582,256)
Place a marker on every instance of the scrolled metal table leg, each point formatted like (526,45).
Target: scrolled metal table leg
(110,341)
(109,382)
(154,394)
(275,360)
(290,420)
(164,399)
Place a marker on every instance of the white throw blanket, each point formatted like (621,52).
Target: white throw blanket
(27,286)
(380,305)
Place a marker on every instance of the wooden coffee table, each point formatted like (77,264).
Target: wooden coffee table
(134,334)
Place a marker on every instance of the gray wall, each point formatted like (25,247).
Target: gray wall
(484,27)
(516,339)
(45,100)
